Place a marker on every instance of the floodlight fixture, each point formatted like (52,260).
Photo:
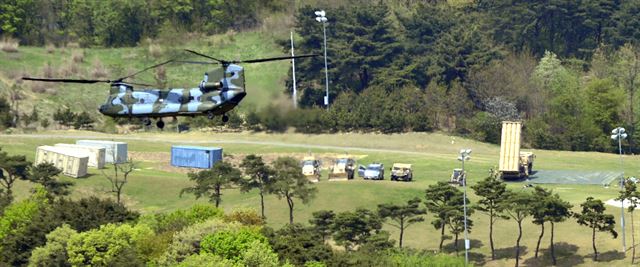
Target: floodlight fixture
(321,17)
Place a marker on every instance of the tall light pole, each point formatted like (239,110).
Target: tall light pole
(293,70)
(464,156)
(619,134)
(320,17)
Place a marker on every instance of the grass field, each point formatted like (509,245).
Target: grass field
(151,189)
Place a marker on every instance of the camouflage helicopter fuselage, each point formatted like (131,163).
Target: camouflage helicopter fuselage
(210,98)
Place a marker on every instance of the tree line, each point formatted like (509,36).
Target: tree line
(124,22)
(465,68)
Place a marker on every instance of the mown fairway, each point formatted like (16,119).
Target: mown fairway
(154,189)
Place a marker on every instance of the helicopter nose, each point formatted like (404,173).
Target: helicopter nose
(102,108)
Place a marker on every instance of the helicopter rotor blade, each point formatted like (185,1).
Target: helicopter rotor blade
(145,69)
(195,62)
(65,80)
(271,59)
(139,84)
(79,81)
(89,81)
(205,56)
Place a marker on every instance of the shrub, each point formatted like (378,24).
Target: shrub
(485,127)
(77,56)
(308,120)
(73,45)
(109,245)
(232,244)
(155,50)
(44,123)
(99,71)
(9,45)
(259,254)
(18,215)
(273,118)
(39,87)
(207,260)
(298,244)
(54,252)
(180,219)
(48,71)
(413,258)
(245,217)
(161,76)
(69,68)
(187,241)
(50,48)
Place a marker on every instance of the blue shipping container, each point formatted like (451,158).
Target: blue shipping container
(195,156)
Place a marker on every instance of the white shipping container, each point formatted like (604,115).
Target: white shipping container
(96,154)
(71,162)
(115,152)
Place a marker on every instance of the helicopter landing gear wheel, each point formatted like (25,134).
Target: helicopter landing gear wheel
(225,118)
(146,121)
(160,124)
(210,115)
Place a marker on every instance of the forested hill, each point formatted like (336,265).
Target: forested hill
(568,68)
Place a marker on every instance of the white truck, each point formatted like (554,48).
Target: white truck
(311,169)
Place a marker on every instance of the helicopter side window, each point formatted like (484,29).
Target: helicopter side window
(141,101)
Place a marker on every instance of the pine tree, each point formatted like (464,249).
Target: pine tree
(493,193)
(593,216)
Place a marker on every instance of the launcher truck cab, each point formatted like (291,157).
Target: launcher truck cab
(343,168)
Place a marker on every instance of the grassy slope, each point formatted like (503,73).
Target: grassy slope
(433,156)
(264,81)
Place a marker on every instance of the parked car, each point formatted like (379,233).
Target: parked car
(375,171)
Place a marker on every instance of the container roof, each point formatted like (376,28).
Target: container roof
(81,146)
(197,147)
(66,151)
(100,142)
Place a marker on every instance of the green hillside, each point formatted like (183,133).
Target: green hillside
(265,81)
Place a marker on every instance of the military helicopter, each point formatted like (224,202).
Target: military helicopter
(210,98)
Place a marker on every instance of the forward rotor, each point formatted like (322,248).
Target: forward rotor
(227,62)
